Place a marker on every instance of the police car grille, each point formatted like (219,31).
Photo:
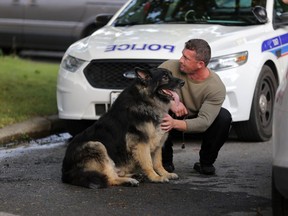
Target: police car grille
(108,74)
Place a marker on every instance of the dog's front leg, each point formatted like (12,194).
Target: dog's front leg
(141,154)
(158,166)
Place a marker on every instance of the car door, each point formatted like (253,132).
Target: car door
(49,24)
(11,23)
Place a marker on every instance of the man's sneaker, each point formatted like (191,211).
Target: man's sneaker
(169,167)
(204,169)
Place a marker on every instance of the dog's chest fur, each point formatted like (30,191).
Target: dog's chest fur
(146,129)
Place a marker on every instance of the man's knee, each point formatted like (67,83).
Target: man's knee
(225,116)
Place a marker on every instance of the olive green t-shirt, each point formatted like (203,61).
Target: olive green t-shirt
(202,99)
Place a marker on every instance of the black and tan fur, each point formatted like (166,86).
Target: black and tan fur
(127,137)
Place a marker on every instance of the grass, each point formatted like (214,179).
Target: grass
(27,89)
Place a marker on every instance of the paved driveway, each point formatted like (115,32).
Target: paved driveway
(31,185)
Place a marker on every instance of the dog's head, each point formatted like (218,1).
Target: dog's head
(159,82)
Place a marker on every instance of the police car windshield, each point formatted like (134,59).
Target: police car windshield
(224,12)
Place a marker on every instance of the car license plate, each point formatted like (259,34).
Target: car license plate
(114,96)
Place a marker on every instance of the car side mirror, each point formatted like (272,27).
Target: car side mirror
(260,13)
(103,19)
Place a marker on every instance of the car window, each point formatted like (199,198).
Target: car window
(281,13)
(280,6)
(226,12)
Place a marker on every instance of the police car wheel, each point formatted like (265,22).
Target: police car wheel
(259,127)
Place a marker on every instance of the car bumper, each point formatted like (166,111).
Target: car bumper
(77,100)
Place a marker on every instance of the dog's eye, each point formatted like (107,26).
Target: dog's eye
(165,78)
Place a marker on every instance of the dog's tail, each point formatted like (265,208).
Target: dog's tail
(88,179)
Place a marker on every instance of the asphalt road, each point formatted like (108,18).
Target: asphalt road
(30,184)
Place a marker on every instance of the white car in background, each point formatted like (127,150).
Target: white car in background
(280,151)
(249,41)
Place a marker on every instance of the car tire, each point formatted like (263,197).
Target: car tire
(259,126)
(279,203)
(73,127)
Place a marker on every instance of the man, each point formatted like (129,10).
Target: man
(200,106)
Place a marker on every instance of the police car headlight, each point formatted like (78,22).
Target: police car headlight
(71,63)
(228,61)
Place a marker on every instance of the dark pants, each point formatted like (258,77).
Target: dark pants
(212,140)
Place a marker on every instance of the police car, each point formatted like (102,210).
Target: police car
(249,41)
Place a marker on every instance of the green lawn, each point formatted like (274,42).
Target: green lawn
(27,89)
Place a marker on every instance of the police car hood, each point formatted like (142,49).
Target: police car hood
(161,41)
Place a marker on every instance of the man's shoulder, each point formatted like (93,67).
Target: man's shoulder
(216,81)
(170,65)
(214,75)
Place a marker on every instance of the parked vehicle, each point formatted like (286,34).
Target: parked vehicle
(280,151)
(50,24)
(249,41)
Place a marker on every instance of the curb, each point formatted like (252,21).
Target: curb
(33,128)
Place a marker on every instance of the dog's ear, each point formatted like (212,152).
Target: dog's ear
(143,74)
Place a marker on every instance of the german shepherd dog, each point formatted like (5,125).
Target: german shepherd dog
(126,138)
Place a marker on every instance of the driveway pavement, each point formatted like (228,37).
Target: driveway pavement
(241,186)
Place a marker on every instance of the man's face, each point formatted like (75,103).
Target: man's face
(285,1)
(188,62)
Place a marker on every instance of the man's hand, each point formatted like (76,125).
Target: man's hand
(167,123)
(178,109)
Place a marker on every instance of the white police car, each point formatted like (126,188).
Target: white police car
(280,151)
(249,41)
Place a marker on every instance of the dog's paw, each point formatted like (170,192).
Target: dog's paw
(133,182)
(164,179)
(169,175)
(172,176)
(159,179)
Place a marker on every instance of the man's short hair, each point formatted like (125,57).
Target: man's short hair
(201,48)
